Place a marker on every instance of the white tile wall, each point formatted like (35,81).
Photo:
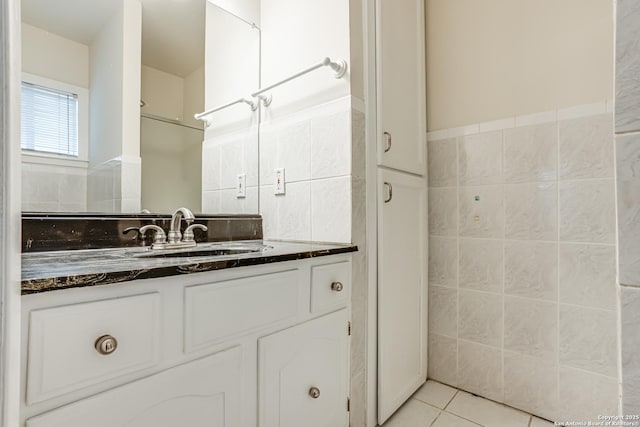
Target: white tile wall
(480,370)
(51,188)
(115,186)
(481,211)
(630,350)
(528,202)
(480,159)
(480,318)
(531,269)
(315,148)
(443,261)
(443,211)
(531,153)
(531,211)
(481,265)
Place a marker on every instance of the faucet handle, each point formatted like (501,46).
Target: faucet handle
(188,233)
(160,238)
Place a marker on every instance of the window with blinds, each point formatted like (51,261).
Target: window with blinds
(49,120)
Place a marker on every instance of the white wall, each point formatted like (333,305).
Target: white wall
(296,35)
(114,137)
(48,55)
(193,97)
(162,93)
(500,58)
(248,10)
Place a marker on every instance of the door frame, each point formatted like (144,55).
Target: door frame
(10,215)
(373,142)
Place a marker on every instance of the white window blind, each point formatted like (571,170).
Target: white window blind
(49,120)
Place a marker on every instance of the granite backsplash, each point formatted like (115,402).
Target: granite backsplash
(62,231)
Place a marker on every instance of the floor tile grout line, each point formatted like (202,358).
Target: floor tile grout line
(436,418)
(451,400)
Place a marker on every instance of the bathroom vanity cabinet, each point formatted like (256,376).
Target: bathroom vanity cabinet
(261,346)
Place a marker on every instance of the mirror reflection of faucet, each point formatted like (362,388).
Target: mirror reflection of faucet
(175,239)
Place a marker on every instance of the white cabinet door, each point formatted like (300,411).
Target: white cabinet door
(401,85)
(203,393)
(303,374)
(402,289)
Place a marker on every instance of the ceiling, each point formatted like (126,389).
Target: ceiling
(172,30)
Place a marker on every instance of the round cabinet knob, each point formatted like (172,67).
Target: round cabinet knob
(314,392)
(337,286)
(106,344)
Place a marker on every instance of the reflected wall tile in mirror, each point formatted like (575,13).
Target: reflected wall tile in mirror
(210,166)
(530,153)
(231,164)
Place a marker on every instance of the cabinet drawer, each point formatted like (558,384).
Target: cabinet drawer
(330,287)
(217,311)
(62,354)
(204,392)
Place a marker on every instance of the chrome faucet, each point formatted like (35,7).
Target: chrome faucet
(175,236)
(174,239)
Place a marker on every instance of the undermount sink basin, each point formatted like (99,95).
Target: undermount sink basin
(219,250)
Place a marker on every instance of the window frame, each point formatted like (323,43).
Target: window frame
(83,122)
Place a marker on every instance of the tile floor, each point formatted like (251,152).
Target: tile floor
(438,405)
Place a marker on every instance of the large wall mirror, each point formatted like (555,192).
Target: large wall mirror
(110,88)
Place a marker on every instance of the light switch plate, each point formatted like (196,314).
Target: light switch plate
(241,186)
(279,181)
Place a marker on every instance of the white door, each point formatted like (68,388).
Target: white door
(303,374)
(203,393)
(401,85)
(402,288)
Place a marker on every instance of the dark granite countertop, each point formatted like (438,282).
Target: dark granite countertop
(54,270)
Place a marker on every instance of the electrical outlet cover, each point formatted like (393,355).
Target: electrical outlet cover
(279,182)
